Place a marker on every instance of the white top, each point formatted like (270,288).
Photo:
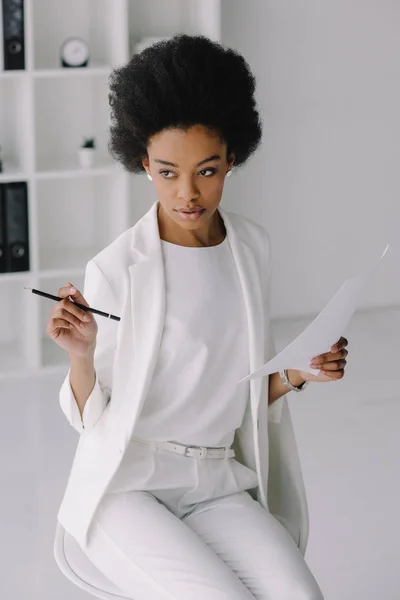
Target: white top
(194,397)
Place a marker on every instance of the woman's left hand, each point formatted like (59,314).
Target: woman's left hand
(331,364)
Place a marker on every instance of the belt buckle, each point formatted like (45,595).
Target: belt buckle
(203,450)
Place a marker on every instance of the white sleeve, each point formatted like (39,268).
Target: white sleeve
(274,409)
(99,294)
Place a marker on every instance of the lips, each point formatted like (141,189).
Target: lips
(191,215)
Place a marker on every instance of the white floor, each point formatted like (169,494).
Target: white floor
(348,434)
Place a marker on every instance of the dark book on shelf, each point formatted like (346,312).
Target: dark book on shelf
(14,227)
(3,266)
(13,34)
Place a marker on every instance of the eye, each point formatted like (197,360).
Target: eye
(213,171)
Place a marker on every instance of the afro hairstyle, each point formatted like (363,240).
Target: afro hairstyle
(176,84)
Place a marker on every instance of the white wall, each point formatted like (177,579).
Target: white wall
(326,180)
(326,185)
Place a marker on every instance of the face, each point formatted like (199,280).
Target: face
(188,170)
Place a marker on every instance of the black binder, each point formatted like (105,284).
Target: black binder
(15,222)
(13,34)
(3,266)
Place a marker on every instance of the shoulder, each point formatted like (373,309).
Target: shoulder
(250,231)
(114,258)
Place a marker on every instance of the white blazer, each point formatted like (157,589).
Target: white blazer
(127,279)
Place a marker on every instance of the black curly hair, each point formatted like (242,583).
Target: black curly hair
(176,84)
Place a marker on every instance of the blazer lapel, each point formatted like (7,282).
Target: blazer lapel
(249,276)
(148,304)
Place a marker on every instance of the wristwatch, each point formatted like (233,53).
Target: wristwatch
(285,381)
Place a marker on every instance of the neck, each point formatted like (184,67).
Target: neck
(212,234)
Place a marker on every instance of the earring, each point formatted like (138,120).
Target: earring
(149,177)
(229,173)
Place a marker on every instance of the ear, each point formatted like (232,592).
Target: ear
(145,163)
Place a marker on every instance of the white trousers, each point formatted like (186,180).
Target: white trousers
(192,533)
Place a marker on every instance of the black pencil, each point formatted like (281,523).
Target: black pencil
(87,308)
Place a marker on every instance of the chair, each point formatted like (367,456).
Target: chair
(76,566)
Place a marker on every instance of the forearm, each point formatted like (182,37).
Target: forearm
(82,378)
(278,389)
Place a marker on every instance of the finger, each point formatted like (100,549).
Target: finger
(70,291)
(334,365)
(339,345)
(77,297)
(337,356)
(58,324)
(65,291)
(70,307)
(334,374)
(67,313)
(319,360)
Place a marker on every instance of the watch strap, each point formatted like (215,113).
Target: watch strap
(286,382)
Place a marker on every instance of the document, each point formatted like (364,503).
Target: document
(326,329)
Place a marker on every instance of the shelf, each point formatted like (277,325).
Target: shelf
(14,125)
(60,167)
(12,172)
(17,74)
(45,112)
(57,145)
(17,277)
(95,21)
(75,220)
(93,70)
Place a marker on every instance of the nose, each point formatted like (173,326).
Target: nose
(187,189)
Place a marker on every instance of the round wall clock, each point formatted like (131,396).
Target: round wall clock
(74,52)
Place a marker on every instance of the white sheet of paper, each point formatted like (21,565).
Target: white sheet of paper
(326,329)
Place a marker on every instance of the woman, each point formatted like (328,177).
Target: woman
(156,398)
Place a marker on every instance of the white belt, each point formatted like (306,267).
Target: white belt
(192,451)
(198,451)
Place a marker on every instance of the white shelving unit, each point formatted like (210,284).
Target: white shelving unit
(45,111)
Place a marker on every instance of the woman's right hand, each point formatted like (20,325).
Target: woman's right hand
(73,329)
